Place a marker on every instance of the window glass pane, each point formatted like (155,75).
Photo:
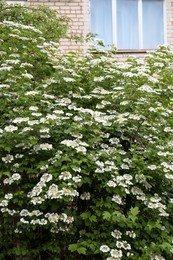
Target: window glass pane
(101,19)
(127,24)
(153,29)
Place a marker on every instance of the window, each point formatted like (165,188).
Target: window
(129,24)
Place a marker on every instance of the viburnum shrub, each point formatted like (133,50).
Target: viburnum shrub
(86,166)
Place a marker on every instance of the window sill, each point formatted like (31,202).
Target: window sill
(137,51)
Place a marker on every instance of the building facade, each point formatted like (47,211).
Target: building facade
(133,25)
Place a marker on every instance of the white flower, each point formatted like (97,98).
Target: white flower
(35,213)
(44,130)
(116,253)
(43,221)
(8,196)
(44,167)
(152,167)
(77,178)
(146,88)
(20,120)
(46,177)
(4,203)
(59,112)
(24,213)
(65,176)
(43,147)
(119,244)
(34,221)
(124,166)
(131,234)
(36,114)
(124,103)
(104,248)
(11,128)
(126,245)
(169,176)
(6,181)
(117,199)
(16,176)
(8,158)
(85,196)
(36,191)
(81,149)
(111,184)
(24,221)
(116,234)
(27,75)
(32,93)
(25,129)
(53,217)
(68,79)
(37,200)
(33,122)
(168,129)
(99,79)
(53,192)
(70,143)
(19,155)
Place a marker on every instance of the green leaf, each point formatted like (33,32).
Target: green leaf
(93,218)
(73,247)
(133,213)
(85,215)
(81,250)
(106,215)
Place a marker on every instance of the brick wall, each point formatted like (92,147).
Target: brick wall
(169,21)
(79,13)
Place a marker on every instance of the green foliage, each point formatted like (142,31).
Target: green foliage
(53,27)
(86,152)
(31,36)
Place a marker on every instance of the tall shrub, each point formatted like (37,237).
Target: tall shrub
(86,157)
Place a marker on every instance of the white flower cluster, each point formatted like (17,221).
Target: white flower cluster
(115,253)
(140,195)
(38,189)
(9,211)
(19,120)
(43,147)
(85,196)
(167,167)
(8,158)
(106,166)
(54,193)
(123,180)
(117,199)
(8,196)
(65,176)
(26,213)
(78,145)
(123,244)
(131,234)
(154,203)
(55,218)
(10,128)
(116,234)
(12,179)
